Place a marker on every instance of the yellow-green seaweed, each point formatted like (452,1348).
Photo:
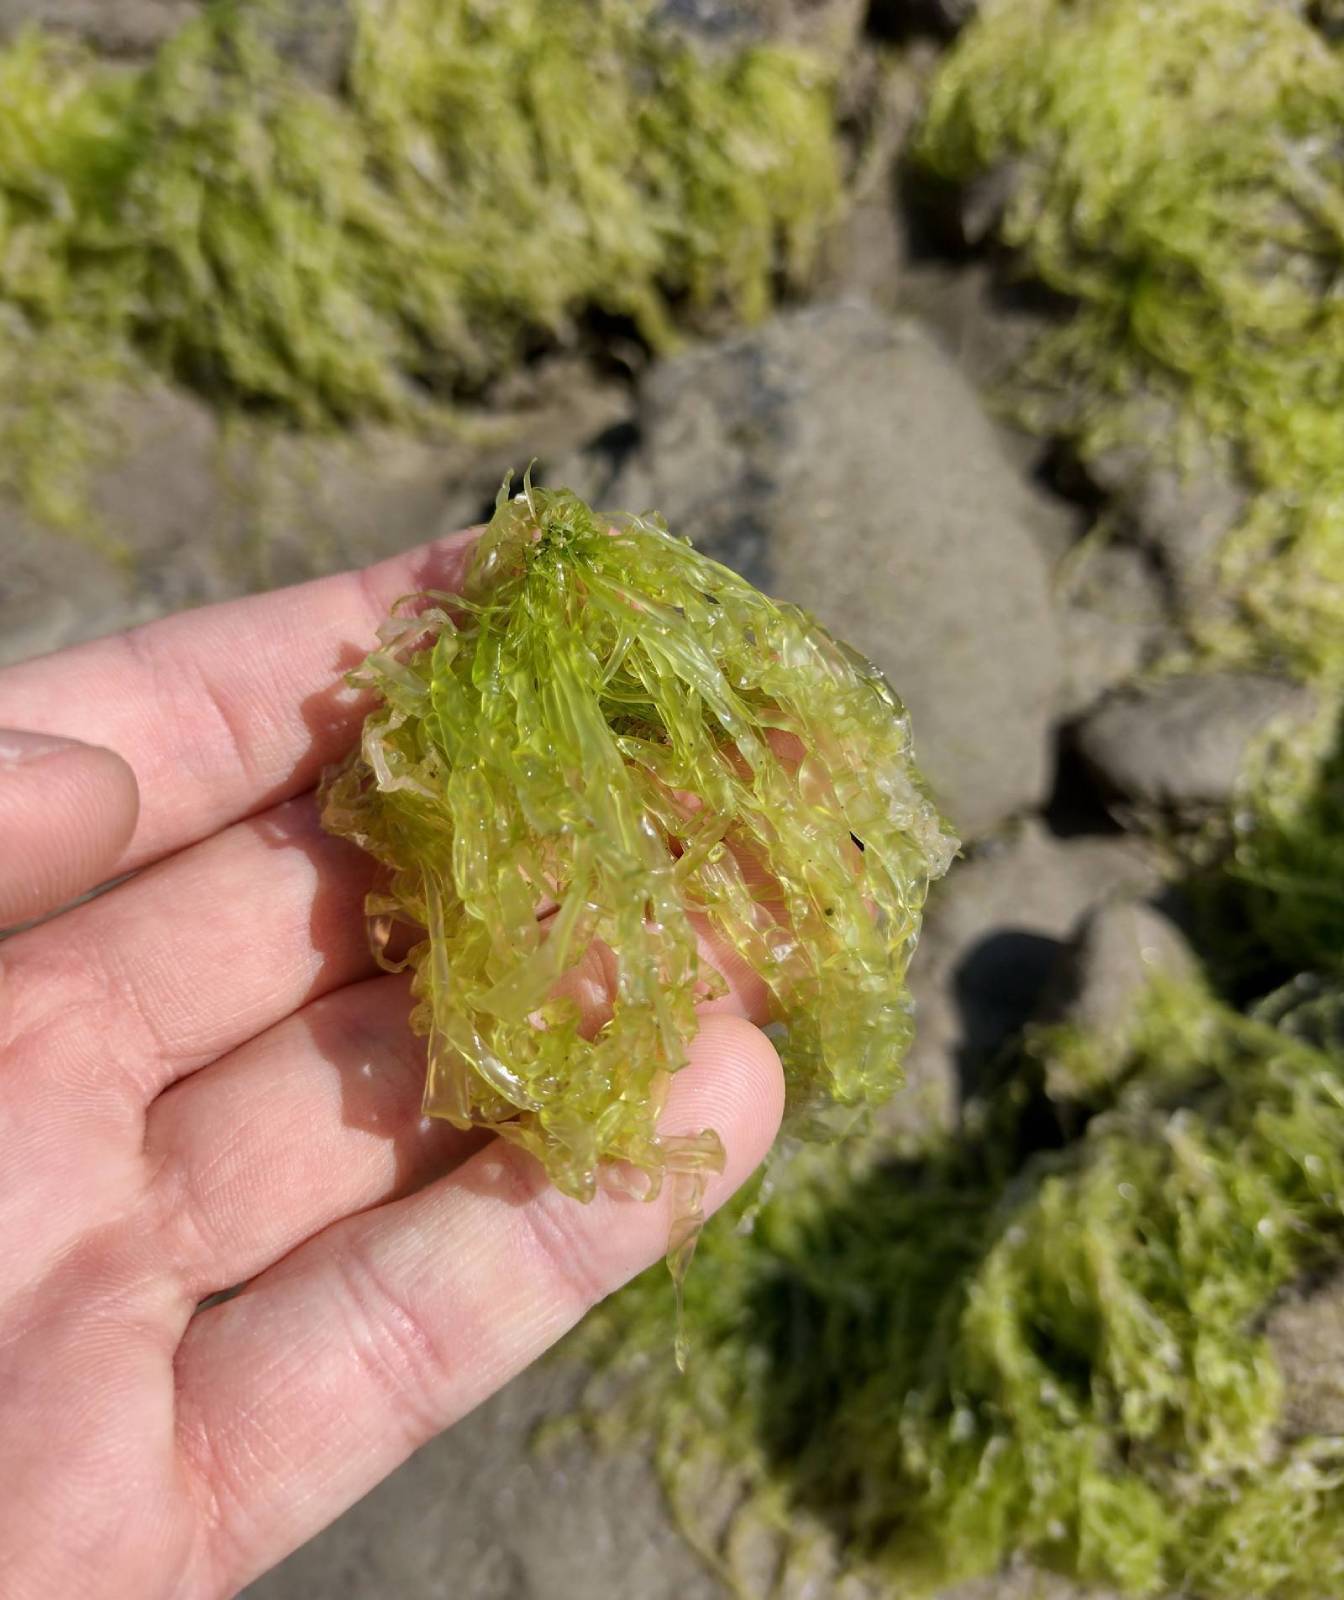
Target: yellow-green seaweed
(1045,1339)
(930,1367)
(1271,895)
(487,175)
(1177,176)
(613,729)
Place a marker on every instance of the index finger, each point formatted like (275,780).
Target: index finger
(228,709)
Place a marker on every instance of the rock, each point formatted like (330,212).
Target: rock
(1328,16)
(1306,1335)
(988,327)
(1180,512)
(953,13)
(985,200)
(831,27)
(124,28)
(1116,951)
(1022,1581)
(1184,741)
(159,517)
(1099,977)
(837,458)
(1114,620)
(993,935)
(188,513)
(483,1513)
(314,35)
(864,253)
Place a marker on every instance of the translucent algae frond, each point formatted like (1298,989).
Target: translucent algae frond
(613,746)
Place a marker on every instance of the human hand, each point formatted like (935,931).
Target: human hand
(203,1082)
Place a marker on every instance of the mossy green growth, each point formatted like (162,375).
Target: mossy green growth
(1177,175)
(1271,898)
(489,173)
(927,1368)
(627,738)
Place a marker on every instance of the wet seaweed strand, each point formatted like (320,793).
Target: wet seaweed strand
(609,727)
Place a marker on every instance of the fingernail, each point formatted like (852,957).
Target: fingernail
(18,748)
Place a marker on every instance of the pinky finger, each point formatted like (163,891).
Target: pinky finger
(67,810)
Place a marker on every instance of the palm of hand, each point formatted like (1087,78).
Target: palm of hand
(203,1083)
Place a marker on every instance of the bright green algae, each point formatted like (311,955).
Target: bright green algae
(1043,1339)
(631,737)
(488,174)
(1178,177)
(1272,895)
(925,1368)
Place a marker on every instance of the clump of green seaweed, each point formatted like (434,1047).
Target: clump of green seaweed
(486,175)
(1177,176)
(1271,897)
(1045,1339)
(617,733)
(926,1368)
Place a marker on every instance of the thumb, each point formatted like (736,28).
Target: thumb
(67,810)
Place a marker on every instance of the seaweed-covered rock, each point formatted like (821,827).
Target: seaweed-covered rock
(991,941)
(313,35)
(1184,741)
(1179,512)
(183,511)
(831,26)
(837,456)
(938,1365)
(1096,989)
(116,27)
(1177,179)
(941,1364)
(333,258)
(1306,1334)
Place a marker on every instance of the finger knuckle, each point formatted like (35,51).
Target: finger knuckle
(404,1355)
(558,1242)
